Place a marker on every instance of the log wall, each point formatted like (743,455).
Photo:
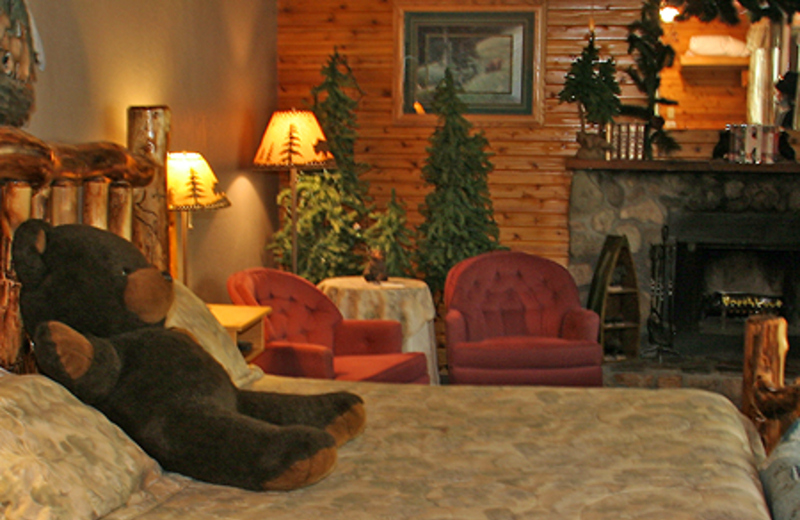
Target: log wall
(709,97)
(530,185)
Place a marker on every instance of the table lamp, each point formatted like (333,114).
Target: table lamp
(191,186)
(293,141)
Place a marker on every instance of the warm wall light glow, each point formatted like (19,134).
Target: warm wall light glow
(191,185)
(668,13)
(293,139)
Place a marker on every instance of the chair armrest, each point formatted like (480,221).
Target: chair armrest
(581,324)
(455,327)
(284,358)
(365,337)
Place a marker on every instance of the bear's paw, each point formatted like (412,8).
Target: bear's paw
(304,472)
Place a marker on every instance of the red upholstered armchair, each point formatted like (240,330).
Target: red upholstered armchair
(308,337)
(515,318)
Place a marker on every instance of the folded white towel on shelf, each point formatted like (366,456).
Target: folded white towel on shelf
(717,45)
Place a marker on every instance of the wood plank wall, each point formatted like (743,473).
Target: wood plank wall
(708,97)
(530,185)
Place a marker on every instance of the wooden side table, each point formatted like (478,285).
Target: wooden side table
(243,323)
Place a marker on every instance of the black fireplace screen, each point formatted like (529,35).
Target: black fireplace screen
(704,285)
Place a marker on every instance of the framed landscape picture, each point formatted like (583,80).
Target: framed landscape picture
(492,56)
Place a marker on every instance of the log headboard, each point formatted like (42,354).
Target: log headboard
(102,184)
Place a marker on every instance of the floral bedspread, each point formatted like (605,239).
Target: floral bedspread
(506,453)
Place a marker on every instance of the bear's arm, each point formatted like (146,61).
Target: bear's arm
(87,366)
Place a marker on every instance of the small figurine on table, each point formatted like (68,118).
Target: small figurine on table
(376,268)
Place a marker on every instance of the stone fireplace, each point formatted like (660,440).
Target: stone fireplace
(729,236)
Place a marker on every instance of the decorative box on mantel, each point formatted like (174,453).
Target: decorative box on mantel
(751,208)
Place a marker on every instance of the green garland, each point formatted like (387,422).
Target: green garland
(651,56)
(727,10)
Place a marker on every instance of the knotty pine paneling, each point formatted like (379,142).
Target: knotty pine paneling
(530,184)
(707,99)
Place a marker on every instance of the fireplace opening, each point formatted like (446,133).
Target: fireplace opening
(718,287)
(739,283)
(721,269)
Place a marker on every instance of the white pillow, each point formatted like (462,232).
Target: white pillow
(718,45)
(190,313)
(61,459)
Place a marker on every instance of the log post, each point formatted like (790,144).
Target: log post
(40,201)
(148,135)
(95,203)
(64,203)
(16,198)
(765,347)
(120,209)
(16,210)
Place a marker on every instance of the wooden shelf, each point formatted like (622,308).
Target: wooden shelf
(714,62)
(613,289)
(614,296)
(613,325)
(713,69)
(660,166)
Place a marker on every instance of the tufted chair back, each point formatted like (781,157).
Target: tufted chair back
(515,318)
(301,313)
(511,293)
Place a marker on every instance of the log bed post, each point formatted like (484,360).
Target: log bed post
(64,203)
(765,399)
(120,209)
(16,196)
(95,203)
(148,135)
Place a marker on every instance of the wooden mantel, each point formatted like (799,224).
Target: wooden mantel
(682,166)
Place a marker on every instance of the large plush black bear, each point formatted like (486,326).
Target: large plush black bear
(95,309)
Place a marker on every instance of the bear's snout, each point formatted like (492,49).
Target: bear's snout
(149,294)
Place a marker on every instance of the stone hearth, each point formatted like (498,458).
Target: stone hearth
(702,374)
(618,198)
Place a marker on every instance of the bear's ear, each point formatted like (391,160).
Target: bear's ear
(30,241)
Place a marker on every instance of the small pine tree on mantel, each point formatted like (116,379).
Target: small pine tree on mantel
(458,214)
(592,84)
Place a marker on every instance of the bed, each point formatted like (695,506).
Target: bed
(428,452)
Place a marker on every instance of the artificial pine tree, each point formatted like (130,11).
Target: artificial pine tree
(458,214)
(390,234)
(335,110)
(592,84)
(651,56)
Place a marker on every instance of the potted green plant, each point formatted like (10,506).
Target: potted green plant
(390,234)
(591,83)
